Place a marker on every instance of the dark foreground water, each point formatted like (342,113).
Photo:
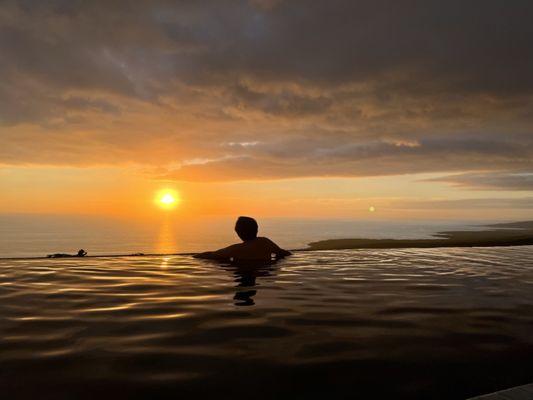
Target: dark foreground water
(424,323)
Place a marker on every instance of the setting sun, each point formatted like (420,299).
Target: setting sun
(167,199)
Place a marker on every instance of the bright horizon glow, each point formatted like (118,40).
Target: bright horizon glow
(124,192)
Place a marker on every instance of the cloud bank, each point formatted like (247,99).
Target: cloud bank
(230,90)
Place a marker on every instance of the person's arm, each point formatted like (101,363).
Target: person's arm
(281,253)
(222,254)
(278,251)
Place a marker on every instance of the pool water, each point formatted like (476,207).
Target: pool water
(409,323)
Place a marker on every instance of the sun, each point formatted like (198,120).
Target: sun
(167,199)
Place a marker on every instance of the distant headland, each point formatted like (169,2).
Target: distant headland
(506,234)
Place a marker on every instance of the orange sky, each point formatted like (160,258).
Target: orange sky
(127,192)
(270,108)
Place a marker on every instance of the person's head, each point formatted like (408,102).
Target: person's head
(81,253)
(246,228)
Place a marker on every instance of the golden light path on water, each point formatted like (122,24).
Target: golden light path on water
(166,240)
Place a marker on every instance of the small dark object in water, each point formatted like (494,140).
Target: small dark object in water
(137,254)
(81,253)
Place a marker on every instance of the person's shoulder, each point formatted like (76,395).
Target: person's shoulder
(233,247)
(227,251)
(265,240)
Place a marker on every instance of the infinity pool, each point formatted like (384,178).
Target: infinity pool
(410,323)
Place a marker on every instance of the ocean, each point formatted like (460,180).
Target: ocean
(38,235)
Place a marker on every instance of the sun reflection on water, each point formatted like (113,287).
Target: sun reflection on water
(166,240)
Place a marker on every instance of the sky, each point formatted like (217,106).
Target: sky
(414,109)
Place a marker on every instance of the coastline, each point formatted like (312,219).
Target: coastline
(506,234)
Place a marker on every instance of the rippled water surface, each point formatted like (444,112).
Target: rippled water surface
(414,323)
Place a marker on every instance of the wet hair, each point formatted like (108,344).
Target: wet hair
(246,228)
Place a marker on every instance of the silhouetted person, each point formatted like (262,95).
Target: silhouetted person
(252,248)
(81,253)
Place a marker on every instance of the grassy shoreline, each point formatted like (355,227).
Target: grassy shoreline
(508,234)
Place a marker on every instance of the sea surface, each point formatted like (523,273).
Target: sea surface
(405,323)
(39,235)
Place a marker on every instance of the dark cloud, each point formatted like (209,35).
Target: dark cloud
(318,158)
(491,181)
(474,46)
(321,88)
(282,103)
